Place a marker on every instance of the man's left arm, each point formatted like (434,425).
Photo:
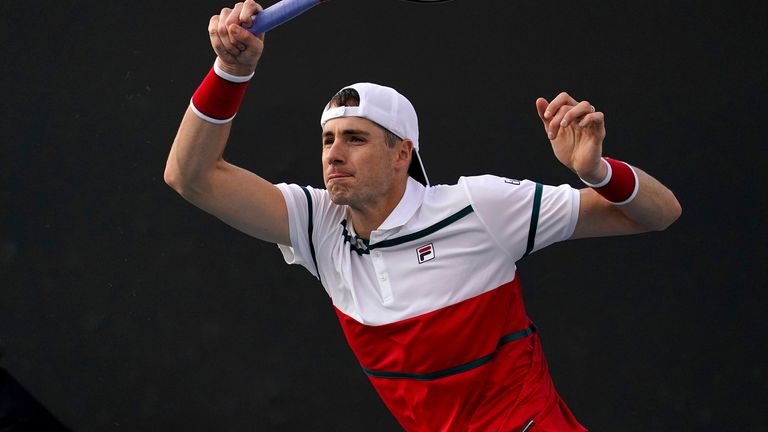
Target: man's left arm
(623,199)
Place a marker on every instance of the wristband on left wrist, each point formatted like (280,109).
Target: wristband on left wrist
(620,184)
(605,180)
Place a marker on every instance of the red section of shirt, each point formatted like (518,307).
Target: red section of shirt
(500,394)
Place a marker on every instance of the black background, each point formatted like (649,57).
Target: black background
(122,307)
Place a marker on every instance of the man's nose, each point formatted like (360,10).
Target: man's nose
(335,153)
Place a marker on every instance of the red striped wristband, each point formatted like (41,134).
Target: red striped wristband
(219,95)
(620,185)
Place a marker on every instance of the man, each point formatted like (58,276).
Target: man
(422,278)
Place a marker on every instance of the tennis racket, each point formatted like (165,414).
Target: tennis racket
(279,13)
(285,10)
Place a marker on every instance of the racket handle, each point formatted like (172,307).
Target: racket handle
(279,13)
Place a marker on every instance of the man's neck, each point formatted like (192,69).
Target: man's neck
(368,218)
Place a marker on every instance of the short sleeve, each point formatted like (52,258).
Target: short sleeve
(300,203)
(523,216)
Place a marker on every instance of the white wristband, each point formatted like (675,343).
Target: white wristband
(228,76)
(604,181)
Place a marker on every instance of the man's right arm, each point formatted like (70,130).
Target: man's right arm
(195,166)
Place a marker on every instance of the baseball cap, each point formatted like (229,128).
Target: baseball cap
(390,110)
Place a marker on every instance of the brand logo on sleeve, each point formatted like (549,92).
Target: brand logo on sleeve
(425,253)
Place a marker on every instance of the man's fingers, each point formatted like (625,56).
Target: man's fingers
(245,41)
(250,8)
(592,119)
(214,34)
(221,30)
(234,19)
(238,36)
(560,100)
(564,111)
(541,106)
(223,33)
(213,24)
(240,19)
(580,110)
(554,123)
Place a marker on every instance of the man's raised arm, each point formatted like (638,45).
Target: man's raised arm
(195,167)
(621,199)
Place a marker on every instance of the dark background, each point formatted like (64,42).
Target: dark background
(122,307)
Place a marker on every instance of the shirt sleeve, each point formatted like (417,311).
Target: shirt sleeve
(300,203)
(523,216)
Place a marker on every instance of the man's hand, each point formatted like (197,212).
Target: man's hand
(237,49)
(576,132)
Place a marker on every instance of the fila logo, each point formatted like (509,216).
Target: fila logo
(425,253)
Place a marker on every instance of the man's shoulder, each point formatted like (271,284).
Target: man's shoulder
(486,186)
(317,200)
(297,187)
(317,195)
(491,194)
(490,181)
(477,192)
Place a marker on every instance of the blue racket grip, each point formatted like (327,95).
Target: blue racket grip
(280,12)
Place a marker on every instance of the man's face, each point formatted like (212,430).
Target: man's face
(358,167)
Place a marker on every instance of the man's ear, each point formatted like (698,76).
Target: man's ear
(404,151)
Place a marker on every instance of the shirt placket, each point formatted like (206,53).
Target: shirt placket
(382,276)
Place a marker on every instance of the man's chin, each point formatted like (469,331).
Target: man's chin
(338,195)
(340,199)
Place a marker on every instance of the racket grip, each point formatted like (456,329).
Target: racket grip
(279,13)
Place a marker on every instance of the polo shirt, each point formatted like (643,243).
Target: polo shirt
(431,303)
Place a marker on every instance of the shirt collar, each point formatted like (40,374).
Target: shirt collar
(406,208)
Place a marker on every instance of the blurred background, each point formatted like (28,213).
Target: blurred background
(122,307)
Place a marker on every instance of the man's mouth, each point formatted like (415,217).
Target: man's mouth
(338,175)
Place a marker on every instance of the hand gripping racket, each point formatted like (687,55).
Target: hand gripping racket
(279,13)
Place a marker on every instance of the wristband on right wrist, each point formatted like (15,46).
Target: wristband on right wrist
(620,185)
(219,95)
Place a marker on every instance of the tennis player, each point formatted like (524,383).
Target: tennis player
(423,277)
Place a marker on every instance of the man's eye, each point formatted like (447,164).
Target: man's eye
(354,138)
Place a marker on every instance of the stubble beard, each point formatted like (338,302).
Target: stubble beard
(340,194)
(356,197)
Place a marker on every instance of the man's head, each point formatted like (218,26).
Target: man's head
(388,109)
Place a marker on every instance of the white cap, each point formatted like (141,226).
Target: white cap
(390,110)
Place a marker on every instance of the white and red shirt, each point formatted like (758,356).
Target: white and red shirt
(431,304)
